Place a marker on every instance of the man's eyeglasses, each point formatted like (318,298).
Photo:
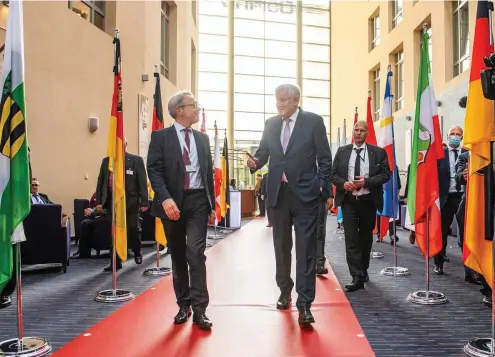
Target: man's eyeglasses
(192,105)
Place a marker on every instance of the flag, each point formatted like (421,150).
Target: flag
(423,196)
(355,121)
(385,138)
(157,124)
(224,189)
(217,166)
(116,162)
(203,123)
(371,138)
(478,132)
(14,164)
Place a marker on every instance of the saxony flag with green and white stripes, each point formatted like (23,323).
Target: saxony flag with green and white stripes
(14,164)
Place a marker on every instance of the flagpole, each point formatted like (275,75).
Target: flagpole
(158,270)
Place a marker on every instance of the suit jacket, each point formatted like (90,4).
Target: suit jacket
(136,188)
(444,174)
(166,169)
(308,145)
(379,173)
(264,181)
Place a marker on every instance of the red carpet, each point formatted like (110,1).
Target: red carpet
(243,292)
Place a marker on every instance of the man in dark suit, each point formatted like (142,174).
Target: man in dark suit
(258,194)
(294,141)
(136,195)
(37,197)
(358,173)
(450,191)
(181,174)
(264,182)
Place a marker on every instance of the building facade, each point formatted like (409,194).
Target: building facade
(385,33)
(69,79)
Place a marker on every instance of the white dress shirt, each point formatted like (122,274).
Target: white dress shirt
(364,167)
(195,177)
(452,162)
(36,199)
(292,123)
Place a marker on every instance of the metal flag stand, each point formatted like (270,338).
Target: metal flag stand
(114,295)
(427,297)
(395,270)
(23,346)
(158,270)
(215,236)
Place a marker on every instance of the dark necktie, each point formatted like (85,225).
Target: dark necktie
(185,157)
(357,165)
(456,155)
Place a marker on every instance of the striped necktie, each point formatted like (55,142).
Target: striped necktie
(286,135)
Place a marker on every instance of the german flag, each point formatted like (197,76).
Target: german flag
(157,124)
(479,131)
(116,163)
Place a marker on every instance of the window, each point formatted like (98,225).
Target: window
(213,63)
(376,95)
(396,12)
(249,103)
(399,80)
(213,43)
(241,135)
(249,121)
(460,24)
(375,24)
(249,47)
(270,104)
(319,89)
(281,32)
(248,84)
(213,100)
(318,35)
(430,49)
(213,7)
(217,82)
(278,49)
(165,40)
(315,16)
(220,117)
(277,67)
(214,25)
(271,83)
(194,70)
(248,28)
(316,53)
(90,10)
(319,106)
(312,70)
(248,65)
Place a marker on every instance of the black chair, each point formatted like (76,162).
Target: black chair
(79,206)
(47,242)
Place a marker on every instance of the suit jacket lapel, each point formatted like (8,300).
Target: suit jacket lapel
(199,149)
(371,159)
(296,130)
(346,156)
(174,139)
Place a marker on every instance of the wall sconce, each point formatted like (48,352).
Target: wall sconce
(408,118)
(144,77)
(439,103)
(93,124)
(5,2)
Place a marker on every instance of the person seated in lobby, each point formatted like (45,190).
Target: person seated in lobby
(38,198)
(232,186)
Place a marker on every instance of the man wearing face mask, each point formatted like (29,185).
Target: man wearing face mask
(450,191)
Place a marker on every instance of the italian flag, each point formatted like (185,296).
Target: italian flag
(14,163)
(423,197)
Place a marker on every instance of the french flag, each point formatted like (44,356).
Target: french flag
(385,140)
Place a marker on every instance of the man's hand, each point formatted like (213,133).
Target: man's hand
(405,200)
(171,209)
(359,183)
(251,161)
(211,219)
(350,186)
(329,202)
(87,212)
(262,197)
(99,209)
(143,208)
(465,174)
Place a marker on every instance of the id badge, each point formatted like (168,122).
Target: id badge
(190,168)
(129,172)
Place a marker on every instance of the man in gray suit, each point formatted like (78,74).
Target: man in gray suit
(296,143)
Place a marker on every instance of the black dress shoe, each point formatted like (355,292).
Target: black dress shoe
(5,301)
(109,268)
(355,285)
(321,269)
(202,321)
(182,315)
(366,277)
(438,270)
(138,259)
(305,316)
(487,301)
(472,278)
(284,301)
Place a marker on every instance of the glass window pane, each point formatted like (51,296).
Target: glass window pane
(320,89)
(271,83)
(248,65)
(269,115)
(248,84)
(248,103)
(249,47)
(277,67)
(221,118)
(326,121)
(319,106)
(315,17)
(213,7)
(213,25)
(455,32)
(270,104)
(100,5)
(284,32)
(213,100)
(464,33)
(248,135)
(213,63)
(316,35)
(249,10)
(249,121)
(98,20)
(278,49)
(319,53)
(320,4)
(248,28)
(213,82)
(213,44)
(284,11)
(316,70)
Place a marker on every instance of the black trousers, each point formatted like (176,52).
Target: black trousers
(12,283)
(187,241)
(321,232)
(448,212)
(96,232)
(288,211)
(133,221)
(359,222)
(261,206)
